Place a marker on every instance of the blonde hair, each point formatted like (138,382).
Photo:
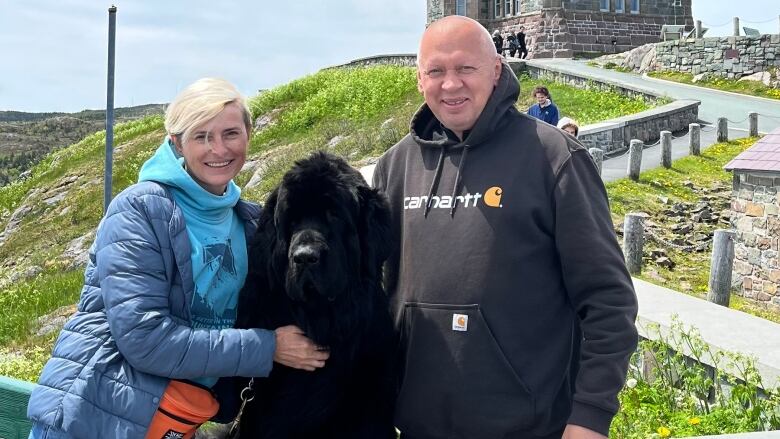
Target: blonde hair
(200,102)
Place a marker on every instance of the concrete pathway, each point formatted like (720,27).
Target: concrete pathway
(615,168)
(714,104)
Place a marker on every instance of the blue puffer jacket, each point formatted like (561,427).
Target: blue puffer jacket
(114,357)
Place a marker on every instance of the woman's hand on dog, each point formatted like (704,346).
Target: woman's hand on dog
(294,349)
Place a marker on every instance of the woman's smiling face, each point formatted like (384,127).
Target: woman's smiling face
(215,151)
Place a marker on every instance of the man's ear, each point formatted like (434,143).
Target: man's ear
(375,231)
(419,80)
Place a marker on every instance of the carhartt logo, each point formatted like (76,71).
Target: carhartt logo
(460,322)
(493,196)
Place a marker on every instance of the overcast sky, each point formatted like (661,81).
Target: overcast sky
(53,52)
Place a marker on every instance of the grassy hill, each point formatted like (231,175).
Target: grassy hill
(25,138)
(47,221)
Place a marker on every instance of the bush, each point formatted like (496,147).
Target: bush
(678,396)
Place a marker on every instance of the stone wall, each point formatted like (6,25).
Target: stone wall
(728,57)
(404,60)
(756,219)
(595,31)
(616,134)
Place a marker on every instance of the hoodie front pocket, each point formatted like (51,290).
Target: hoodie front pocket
(457,382)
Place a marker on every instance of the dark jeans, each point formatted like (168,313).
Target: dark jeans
(523,52)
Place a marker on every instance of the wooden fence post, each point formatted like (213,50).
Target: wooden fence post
(723,129)
(720,268)
(598,157)
(694,139)
(633,241)
(753,116)
(635,159)
(666,149)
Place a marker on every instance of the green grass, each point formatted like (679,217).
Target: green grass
(584,106)
(48,291)
(691,273)
(752,88)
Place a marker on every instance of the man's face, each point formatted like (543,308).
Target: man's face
(541,98)
(456,77)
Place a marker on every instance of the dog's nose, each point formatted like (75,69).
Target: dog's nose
(306,255)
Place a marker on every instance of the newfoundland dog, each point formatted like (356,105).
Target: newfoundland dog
(316,262)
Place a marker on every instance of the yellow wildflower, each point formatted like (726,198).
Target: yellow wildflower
(694,421)
(664,432)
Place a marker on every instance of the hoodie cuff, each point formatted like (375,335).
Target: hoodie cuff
(591,417)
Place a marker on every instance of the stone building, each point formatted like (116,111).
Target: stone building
(755,206)
(561,28)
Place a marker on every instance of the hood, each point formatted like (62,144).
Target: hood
(428,132)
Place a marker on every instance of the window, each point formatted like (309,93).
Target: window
(497,9)
(517,7)
(677,3)
(460,7)
(634,6)
(620,6)
(604,5)
(508,8)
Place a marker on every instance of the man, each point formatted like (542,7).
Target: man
(544,109)
(522,49)
(498,41)
(511,295)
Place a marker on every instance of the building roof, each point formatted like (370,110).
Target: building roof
(764,155)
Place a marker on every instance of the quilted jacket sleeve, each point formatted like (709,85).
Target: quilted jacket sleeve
(132,245)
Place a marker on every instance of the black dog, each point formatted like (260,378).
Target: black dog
(316,262)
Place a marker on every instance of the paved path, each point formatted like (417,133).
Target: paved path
(714,104)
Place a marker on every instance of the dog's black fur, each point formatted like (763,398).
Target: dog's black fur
(316,262)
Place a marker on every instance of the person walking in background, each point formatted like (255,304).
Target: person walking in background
(513,303)
(154,327)
(521,47)
(544,108)
(498,41)
(569,125)
(512,44)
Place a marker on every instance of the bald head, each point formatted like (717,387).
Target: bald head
(453,27)
(457,70)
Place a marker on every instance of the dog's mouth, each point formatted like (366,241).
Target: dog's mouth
(310,292)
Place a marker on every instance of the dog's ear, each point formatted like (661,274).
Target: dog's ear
(375,230)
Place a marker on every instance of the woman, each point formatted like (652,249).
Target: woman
(544,109)
(569,125)
(161,287)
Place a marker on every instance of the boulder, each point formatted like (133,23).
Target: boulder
(764,77)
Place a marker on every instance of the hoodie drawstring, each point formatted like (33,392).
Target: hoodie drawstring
(434,183)
(456,189)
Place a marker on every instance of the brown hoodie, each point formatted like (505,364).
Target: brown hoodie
(510,291)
